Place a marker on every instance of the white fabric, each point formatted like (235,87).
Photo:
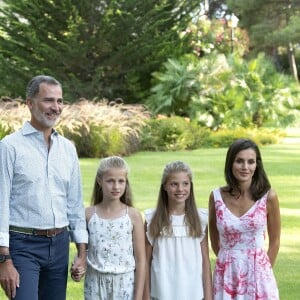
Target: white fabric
(110,259)
(99,286)
(176,268)
(110,248)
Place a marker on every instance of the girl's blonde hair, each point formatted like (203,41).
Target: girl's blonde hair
(108,163)
(161,218)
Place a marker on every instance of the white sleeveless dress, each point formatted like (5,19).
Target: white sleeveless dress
(110,259)
(176,268)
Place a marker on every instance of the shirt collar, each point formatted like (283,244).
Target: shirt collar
(29,129)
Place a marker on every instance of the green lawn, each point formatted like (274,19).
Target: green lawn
(282,163)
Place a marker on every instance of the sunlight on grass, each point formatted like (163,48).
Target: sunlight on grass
(290,212)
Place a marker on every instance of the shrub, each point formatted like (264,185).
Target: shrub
(262,136)
(172,134)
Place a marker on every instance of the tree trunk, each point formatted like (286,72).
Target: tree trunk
(292,61)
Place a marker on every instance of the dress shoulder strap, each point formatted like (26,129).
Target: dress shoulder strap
(217,194)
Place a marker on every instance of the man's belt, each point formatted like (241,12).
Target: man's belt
(42,232)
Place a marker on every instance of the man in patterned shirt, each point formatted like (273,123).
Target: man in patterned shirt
(40,201)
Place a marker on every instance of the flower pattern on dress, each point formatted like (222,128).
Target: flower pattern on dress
(243,270)
(110,260)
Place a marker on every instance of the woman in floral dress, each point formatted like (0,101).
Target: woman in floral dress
(239,215)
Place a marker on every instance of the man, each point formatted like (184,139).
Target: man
(40,202)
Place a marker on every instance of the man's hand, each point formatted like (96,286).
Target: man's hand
(78,268)
(9,278)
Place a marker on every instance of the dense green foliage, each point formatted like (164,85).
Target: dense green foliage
(273,27)
(176,133)
(96,48)
(222,92)
(173,134)
(270,24)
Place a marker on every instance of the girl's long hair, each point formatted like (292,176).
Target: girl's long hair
(260,183)
(111,162)
(161,218)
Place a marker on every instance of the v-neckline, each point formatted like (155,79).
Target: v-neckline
(244,214)
(241,216)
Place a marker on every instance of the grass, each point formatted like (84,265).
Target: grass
(282,163)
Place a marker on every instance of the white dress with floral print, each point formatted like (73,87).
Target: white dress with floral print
(243,270)
(110,260)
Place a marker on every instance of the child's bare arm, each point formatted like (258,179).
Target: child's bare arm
(139,252)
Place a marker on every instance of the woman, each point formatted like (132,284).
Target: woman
(239,213)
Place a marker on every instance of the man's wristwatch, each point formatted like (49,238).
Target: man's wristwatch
(4,257)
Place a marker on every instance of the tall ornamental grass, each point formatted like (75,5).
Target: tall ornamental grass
(96,128)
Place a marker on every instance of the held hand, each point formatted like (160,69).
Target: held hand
(9,278)
(78,268)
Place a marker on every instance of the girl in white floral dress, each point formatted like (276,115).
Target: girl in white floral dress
(116,249)
(239,215)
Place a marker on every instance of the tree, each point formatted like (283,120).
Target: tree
(272,25)
(96,48)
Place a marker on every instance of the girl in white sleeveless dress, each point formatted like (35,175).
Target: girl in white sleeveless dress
(176,241)
(116,249)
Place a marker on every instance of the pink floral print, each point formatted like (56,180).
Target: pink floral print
(243,270)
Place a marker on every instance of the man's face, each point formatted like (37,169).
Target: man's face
(46,106)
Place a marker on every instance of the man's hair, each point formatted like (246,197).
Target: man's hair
(33,86)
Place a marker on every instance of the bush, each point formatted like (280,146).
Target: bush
(262,136)
(177,133)
(172,134)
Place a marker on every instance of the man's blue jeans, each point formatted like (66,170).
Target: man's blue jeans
(42,263)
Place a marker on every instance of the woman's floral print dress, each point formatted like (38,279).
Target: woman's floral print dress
(243,270)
